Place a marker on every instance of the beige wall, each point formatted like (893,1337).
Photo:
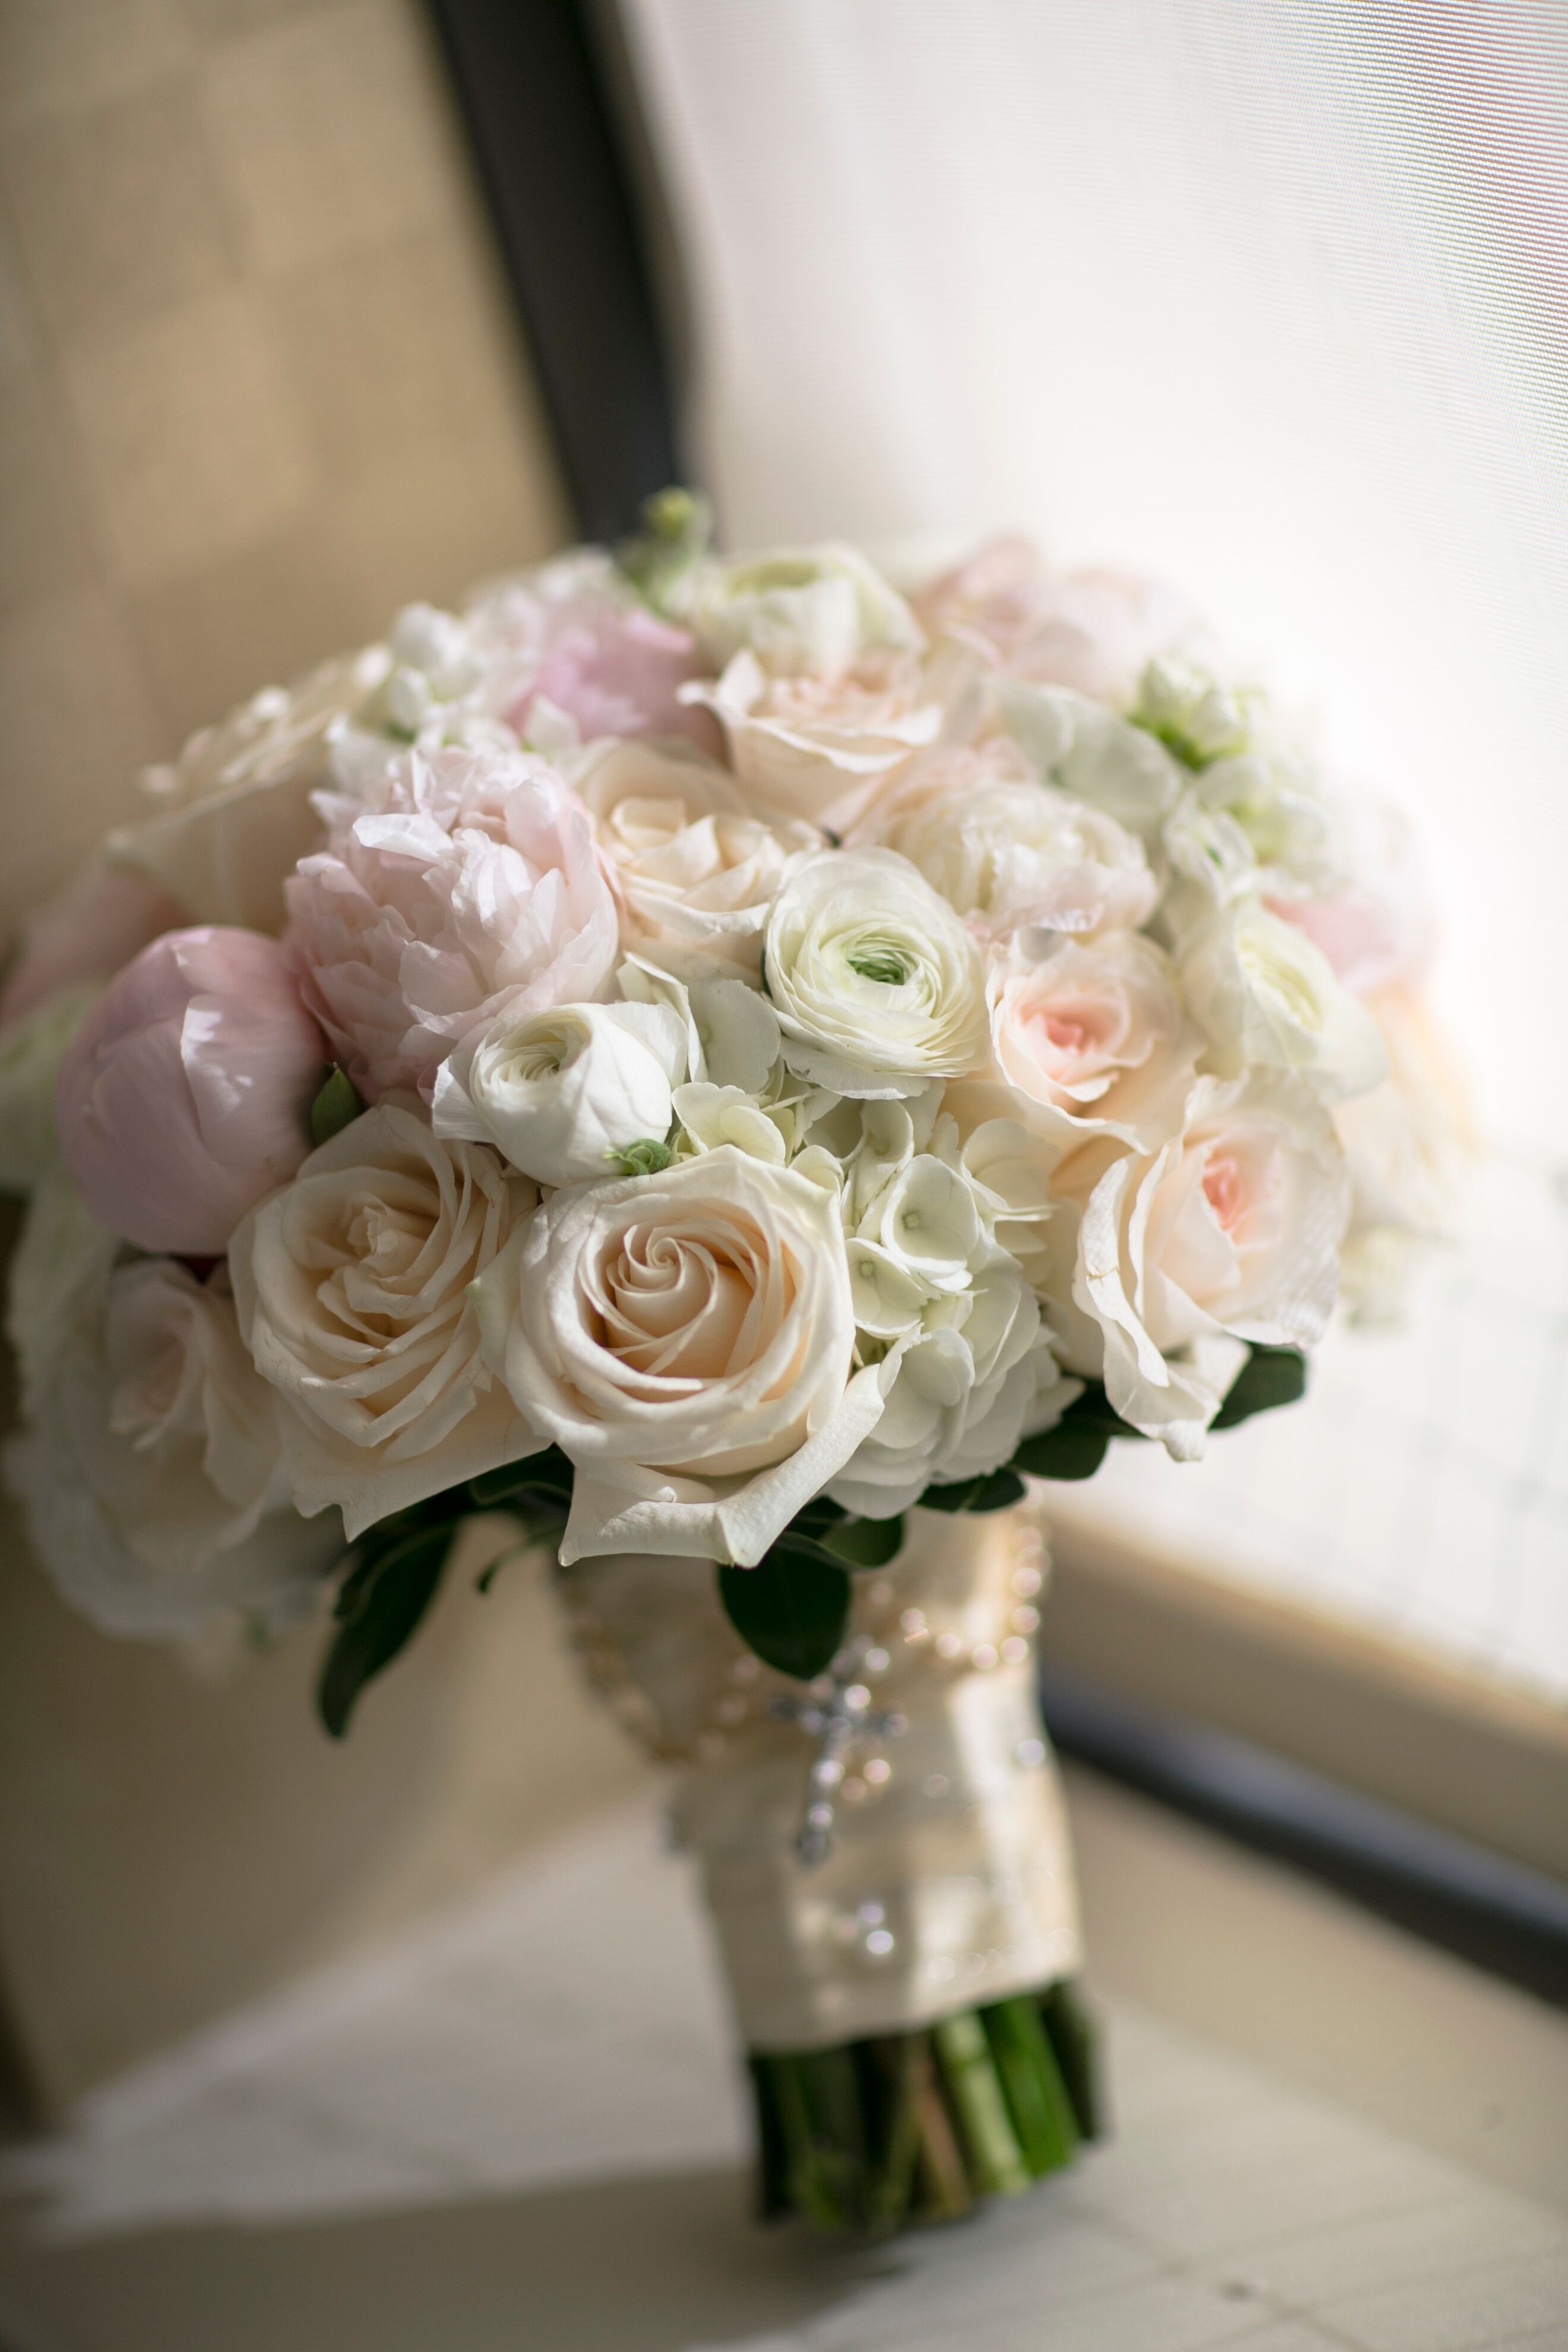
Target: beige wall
(260,384)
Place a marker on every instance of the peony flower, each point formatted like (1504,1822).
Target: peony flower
(84,935)
(1092,631)
(687,1339)
(877,985)
(184,1096)
(1091,1041)
(574,655)
(695,871)
(824,749)
(1008,853)
(802,611)
(1267,997)
(352,1287)
(466,887)
(233,812)
(1230,1231)
(150,1468)
(561,1095)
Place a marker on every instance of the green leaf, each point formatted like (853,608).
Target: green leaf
(1070,1450)
(379,1609)
(1269,1378)
(863,1543)
(993,1493)
(337,1105)
(540,1479)
(791,1612)
(647,1157)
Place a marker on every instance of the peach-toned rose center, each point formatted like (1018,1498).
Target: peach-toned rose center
(1064,1038)
(1224,1190)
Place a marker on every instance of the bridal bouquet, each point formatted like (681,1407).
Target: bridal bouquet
(744,1065)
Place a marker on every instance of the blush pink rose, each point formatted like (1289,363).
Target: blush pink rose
(1091,1039)
(95,925)
(468,885)
(184,1097)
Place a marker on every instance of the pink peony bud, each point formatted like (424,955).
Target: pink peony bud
(185,1095)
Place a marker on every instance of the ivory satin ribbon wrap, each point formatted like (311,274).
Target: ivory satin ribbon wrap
(949,1882)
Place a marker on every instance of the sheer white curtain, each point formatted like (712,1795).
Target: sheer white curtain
(1270,295)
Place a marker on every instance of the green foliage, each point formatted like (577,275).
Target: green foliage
(1076,1446)
(647,1157)
(1270,1377)
(380,1605)
(994,1493)
(791,1609)
(336,1106)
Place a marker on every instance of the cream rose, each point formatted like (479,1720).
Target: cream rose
(1228,1232)
(1008,853)
(816,610)
(233,814)
(562,1094)
(877,985)
(150,1467)
(824,748)
(687,1338)
(1266,997)
(1091,1040)
(695,870)
(352,1287)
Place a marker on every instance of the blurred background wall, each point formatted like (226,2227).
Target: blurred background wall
(260,384)
(260,381)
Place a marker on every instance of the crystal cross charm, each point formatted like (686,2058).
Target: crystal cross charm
(836,1710)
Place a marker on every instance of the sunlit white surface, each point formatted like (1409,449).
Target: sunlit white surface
(1271,299)
(517,2132)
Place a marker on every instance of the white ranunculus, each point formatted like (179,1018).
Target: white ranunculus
(1007,853)
(688,1340)
(695,870)
(1266,997)
(878,986)
(799,610)
(150,1467)
(1090,1039)
(1229,1231)
(233,814)
(353,1289)
(825,749)
(32,1048)
(562,1094)
(1090,753)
